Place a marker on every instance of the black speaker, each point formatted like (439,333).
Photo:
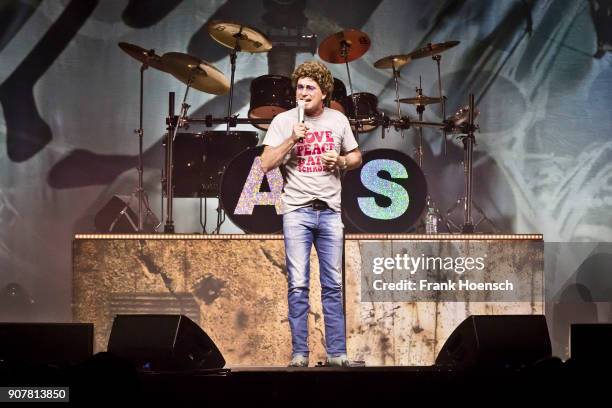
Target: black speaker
(163,342)
(590,342)
(120,215)
(497,342)
(60,344)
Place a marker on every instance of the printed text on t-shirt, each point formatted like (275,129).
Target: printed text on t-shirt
(310,150)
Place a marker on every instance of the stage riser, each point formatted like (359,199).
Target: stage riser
(235,288)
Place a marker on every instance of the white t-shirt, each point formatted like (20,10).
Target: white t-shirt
(307,178)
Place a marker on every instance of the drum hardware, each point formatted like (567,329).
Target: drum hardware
(420,101)
(434,51)
(298,42)
(287,43)
(194,73)
(174,123)
(148,58)
(395,62)
(463,121)
(237,37)
(210,121)
(343,47)
(382,120)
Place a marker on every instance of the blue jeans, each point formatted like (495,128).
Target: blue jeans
(302,228)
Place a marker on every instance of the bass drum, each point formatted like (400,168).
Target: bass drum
(337,100)
(367,108)
(199,159)
(386,195)
(270,95)
(250,198)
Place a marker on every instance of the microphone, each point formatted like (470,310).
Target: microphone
(301,105)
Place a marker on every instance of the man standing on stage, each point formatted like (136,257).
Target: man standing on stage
(313,154)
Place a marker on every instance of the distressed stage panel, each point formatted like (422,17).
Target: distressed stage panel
(406,333)
(234,288)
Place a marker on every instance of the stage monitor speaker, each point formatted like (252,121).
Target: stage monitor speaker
(60,344)
(590,342)
(163,342)
(497,342)
(120,215)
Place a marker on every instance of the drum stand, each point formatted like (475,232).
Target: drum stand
(469,141)
(419,153)
(344,51)
(143,199)
(231,90)
(437,58)
(399,109)
(233,55)
(174,123)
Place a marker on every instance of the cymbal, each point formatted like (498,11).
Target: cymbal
(432,49)
(388,62)
(421,100)
(204,76)
(356,42)
(147,57)
(238,36)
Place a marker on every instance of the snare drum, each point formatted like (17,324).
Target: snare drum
(367,107)
(270,95)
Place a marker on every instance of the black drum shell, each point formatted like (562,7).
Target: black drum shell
(270,95)
(367,108)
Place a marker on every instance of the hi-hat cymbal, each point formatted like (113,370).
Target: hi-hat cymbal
(200,74)
(392,60)
(350,42)
(238,36)
(421,100)
(147,57)
(432,49)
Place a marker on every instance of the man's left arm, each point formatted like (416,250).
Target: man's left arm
(350,160)
(347,161)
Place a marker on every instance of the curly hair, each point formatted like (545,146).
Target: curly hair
(317,72)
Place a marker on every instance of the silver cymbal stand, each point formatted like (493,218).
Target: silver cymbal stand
(399,109)
(437,58)
(344,51)
(143,199)
(174,123)
(419,153)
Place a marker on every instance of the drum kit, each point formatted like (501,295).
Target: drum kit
(195,163)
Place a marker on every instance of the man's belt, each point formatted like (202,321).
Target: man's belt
(318,205)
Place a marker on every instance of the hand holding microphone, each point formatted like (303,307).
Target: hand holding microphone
(300,129)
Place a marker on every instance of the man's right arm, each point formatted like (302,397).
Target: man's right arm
(273,156)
